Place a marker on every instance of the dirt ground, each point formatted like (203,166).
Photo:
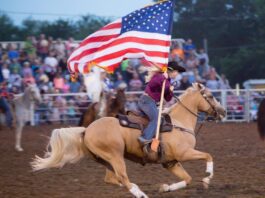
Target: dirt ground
(239,159)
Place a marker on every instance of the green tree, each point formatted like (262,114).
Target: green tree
(8,30)
(29,27)
(234,30)
(89,24)
(58,29)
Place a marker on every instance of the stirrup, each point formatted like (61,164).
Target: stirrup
(149,153)
(143,141)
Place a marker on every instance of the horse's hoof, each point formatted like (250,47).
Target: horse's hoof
(206,182)
(164,188)
(19,149)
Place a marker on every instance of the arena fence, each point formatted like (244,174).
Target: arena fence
(241,105)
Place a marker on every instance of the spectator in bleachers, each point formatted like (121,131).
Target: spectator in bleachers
(177,53)
(203,63)
(75,86)
(1,74)
(5,71)
(23,57)
(12,52)
(42,46)
(26,70)
(51,61)
(28,78)
(15,80)
(224,83)
(189,47)
(192,62)
(36,65)
(135,84)
(62,65)
(66,86)
(30,47)
(126,71)
(4,97)
(70,46)
(212,83)
(15,66)
(203,56)
(58,82)
(51,44)
(59,49)
(71,109)
(184,82)
(107,84)
(118,81)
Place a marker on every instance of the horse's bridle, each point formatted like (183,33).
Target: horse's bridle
(216,114)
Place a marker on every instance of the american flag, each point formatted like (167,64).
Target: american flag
(144,33)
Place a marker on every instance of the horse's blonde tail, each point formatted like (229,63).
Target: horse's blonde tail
(67,146)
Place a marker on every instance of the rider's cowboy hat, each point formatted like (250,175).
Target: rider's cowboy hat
(175,66)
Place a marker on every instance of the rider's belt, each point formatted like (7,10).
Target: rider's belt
(157,103)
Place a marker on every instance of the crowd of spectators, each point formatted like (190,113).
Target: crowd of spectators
(43,61)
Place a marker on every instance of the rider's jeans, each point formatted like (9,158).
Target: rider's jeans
(4,105)
(148,106)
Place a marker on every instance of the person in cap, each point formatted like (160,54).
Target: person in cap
(152,94)
(5,96)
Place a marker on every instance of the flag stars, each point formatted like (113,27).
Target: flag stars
(150,19)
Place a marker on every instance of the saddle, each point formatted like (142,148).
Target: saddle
(137,120)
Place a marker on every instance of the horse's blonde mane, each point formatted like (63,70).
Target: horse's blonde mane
(169,109)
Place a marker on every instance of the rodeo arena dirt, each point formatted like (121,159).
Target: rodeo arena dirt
(237,150)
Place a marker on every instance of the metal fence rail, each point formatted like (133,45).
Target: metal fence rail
(241,105)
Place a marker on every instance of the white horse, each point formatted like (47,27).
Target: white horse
(22,105)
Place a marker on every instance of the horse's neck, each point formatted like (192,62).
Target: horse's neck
(181,116)
(102,105)
(24,100)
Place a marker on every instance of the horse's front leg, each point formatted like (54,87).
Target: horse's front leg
(18,135)
(180,172)
(193,154)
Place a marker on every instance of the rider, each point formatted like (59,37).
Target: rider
(4,96)
(151,97)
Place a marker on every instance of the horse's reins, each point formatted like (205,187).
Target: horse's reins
(196,115)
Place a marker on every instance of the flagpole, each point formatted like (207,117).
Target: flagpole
(155,141)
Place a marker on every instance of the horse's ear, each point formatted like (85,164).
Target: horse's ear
(201,86)
(195,86)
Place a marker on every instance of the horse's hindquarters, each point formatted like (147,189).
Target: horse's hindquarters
(106,138)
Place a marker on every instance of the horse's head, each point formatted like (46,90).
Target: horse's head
(33,92)
(207,102)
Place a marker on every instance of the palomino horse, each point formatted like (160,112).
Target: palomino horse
(22,105)
(109,105)
(261,119)
(106,141)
